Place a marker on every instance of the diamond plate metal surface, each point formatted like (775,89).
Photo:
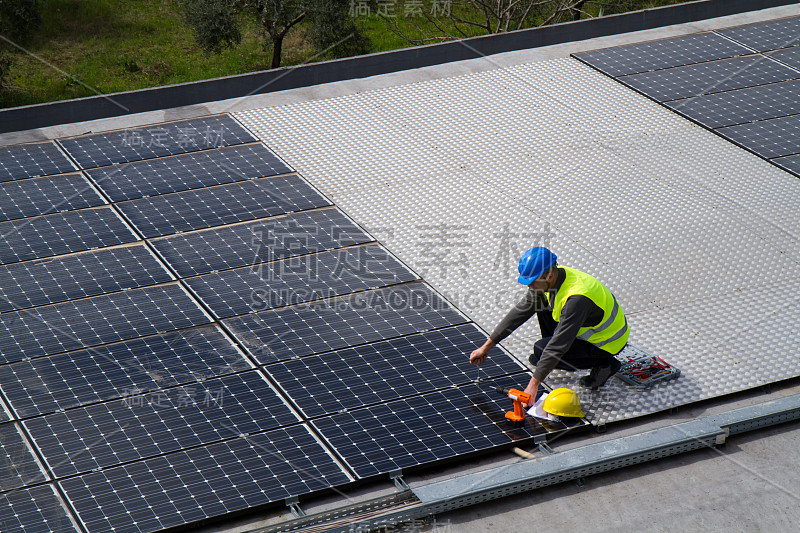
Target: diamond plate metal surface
(458,176)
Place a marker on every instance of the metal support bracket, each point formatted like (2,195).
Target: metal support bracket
(545,449)
(397,477)
(293,504)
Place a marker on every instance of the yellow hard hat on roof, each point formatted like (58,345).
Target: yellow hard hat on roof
(563,402)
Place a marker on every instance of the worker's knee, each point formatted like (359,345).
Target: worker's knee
(538,349)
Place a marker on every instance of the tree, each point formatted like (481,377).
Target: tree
(216,23)
(19,20)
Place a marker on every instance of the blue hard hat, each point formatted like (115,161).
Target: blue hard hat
(533,263)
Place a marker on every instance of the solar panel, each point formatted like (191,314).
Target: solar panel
(52,280)
(109,318)
(768,138)
(249,243)
(223,204)
(49,194)
(340,322)
(383,371)
(205,482)
(61,233)
(31,160)
(708,78)
(789,56)
(765,36)
(654,55)
(107,434)
(130,181)
(48,384)
(432,427)
(298,279)
(35,510)
(743,105)
(18,466)
(168,138)
(791,163)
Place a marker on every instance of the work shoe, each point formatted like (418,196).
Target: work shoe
(600,374)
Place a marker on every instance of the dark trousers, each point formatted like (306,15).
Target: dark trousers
(581,354)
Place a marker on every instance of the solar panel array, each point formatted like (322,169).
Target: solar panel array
(743,82)
(190,329)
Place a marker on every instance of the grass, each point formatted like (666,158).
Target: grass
(86,47)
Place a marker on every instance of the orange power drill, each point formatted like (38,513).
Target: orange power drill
(518,397)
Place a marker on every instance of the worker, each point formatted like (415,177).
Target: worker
(582,324)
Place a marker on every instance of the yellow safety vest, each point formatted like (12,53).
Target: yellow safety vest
(612,332)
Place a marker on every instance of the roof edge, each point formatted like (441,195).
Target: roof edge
(285,78)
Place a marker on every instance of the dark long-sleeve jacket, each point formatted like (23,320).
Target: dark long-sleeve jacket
(578,311)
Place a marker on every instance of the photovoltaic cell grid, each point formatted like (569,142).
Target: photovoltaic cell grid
(708,78)
(742,105)
(92,321)
(791,163)
(239,245)
(34,510)
(123,146)
(135,407)
(18,467)
(61,233)
(223,204)
(438,425)
(189,171)
(80,275)
(768,138)
(764,36)
(209,481)
(665,53)
(32,160)
(298,279)
(382,371)
(111,433)
(49,194)
(340,322)
(789,56)
(49,384)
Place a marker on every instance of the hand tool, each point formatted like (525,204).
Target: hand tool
(516,416)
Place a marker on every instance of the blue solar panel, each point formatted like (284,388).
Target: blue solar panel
(35,510)
(48,384)
(790,163)
(169,138)
(204,251)
(210,481)
(18,466)
(31,160)
(298,279)
(50,194)
(768,138)
(109,318)
(107,434)
(52,280)
(764,36)
(434,426)
(61,233)
(743,105)
(189,171)
(340,322)
(708,78)
(789,56)
(223,204)
(665,53)
(383,371)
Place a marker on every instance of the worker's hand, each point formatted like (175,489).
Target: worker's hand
(532,389)
(478,356)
